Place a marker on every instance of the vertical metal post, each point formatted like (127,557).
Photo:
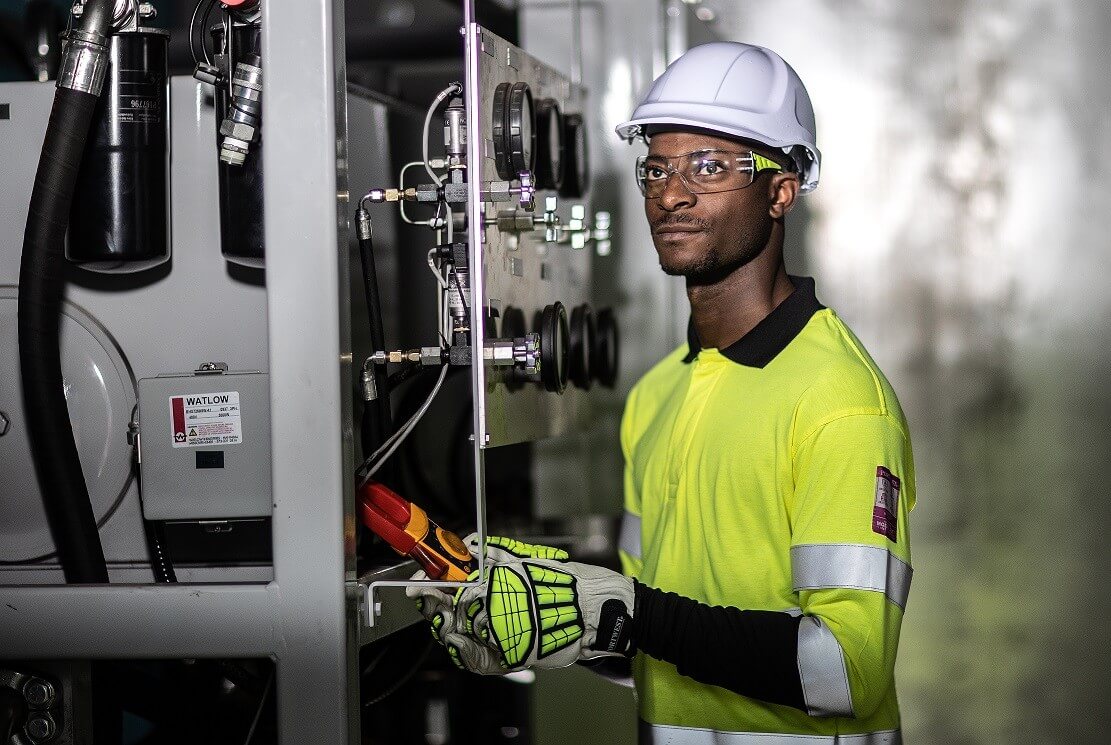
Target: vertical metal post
(306,253)
(475,167)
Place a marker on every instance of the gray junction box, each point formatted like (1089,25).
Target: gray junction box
(204,445)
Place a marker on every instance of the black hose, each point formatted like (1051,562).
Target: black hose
(160,562)
(382,424)
(41,292)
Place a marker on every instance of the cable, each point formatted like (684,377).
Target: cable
(395,441)
(160,564)
(404,678)
(435,271)
(454,88)
(42,285)
(435,163)
(398,437)
(229,35)
(204,30)
(261,705)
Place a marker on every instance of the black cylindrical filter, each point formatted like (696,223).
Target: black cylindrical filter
(119,221)
(241,237)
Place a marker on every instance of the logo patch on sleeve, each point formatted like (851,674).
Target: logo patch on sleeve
(885,513)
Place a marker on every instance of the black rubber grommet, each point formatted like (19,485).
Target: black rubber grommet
(549,144)
(553,347)
(605,361)
(501,143)
(576,158)
(520,120)
(583,332)
(514,129)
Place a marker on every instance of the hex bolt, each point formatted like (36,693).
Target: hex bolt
(41,727)
(4,423)
(38,693)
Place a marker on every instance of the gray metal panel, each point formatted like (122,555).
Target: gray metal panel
(310,368)
(165,319)
(522,271)
(175,487)
(134,317)
(622,49)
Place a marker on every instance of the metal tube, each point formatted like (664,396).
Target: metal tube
(475,117)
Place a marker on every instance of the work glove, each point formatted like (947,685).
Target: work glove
(438,607)
(542,613)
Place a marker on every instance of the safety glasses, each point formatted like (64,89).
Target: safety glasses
(702,172)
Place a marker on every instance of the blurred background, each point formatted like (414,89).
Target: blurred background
(959,230)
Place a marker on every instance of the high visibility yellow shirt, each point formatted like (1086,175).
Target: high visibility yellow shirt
(775,474)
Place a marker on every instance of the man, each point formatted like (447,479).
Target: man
(768,469)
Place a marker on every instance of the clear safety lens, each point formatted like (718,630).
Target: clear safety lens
(702,172)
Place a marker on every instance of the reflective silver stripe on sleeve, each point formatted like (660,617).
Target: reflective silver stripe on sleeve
(666,734)
(818,566)
(629,541)
(825,680)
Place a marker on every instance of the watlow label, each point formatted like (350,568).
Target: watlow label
(206,420)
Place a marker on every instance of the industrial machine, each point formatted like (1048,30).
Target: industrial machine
(187,339)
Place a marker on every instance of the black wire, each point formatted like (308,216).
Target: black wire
(205,30)
(409,371)
(193,30)
(160,563)
(258,712)
(404,678)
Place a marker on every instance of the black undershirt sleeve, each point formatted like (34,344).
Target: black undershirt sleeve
(750,652)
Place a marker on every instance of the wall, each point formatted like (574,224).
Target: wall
(959,230)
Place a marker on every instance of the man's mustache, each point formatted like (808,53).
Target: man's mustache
(686,220)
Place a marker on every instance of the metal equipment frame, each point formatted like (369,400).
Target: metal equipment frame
(307,619)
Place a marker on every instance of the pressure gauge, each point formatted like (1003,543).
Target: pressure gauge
(553,347)
(549,144)
(583,332)
(604,362)
(514,131)
(576,162)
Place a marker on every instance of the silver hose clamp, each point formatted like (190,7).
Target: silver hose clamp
(84,62)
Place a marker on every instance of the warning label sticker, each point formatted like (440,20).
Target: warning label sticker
(206,419)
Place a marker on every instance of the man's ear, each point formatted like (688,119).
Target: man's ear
(782,193)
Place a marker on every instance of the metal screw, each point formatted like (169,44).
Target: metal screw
(41,727)
(4,422)
(39,693)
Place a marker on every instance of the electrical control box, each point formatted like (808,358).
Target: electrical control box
(204,445)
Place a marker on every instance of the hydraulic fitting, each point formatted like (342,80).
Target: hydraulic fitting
(240,127)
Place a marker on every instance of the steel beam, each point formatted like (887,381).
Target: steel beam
(306,206)
(134,621)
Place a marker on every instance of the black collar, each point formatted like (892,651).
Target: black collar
(772,335)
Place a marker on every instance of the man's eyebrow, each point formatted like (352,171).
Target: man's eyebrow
(701,151)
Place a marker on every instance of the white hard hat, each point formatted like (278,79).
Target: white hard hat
(739,90)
